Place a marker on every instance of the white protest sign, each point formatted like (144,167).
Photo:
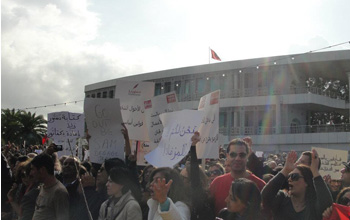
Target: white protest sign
(153,108)
(208,147)
(103,120)
(179,127)
(131,96)
(331,161)
(259,153)
(63,127)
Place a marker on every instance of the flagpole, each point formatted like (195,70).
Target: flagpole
(209,55)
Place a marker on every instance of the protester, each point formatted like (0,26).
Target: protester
(307,197)
(238,151)
(144,179)
(122,204)
(227,165)
(53,200)
(27,206)
(215,170)
(168,197)
(343,199)
(346,175)
(243,201)
(254,164)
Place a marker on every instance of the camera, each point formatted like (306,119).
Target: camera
(57,147)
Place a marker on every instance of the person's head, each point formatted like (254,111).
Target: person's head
(335,185)
(305,159)
(343,197)
(27,179)
(346,175)
(120,181)
(227,165)
(300,182)
(69,168)
(214,171)
(21,171)
(176,191)
(237,151)
(146,173)
(103,172)
(42,166)
(244,198)
(272,164)
(62,159)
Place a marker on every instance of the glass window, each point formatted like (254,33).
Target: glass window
(92,95)
(200,85)
(167,87)
(213,84)
(111,94)
(104,94)
(222,119)
(158,90)
(188,89)
(98,95)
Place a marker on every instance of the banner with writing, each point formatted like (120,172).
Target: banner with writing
(103,120)
(63,127)
(208,147)
(153,108)
(331,161)
(132,96)
(175,143)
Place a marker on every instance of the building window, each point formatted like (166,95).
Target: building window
(200,85)
(213,84)
(222,119)
(188,88)
(98,95)
(235,119)
(157,90)
(167,87)
(92,95)
(104,94)
(111,94)
(87,96)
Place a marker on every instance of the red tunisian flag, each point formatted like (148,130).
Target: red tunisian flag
(44,139)
(214,55)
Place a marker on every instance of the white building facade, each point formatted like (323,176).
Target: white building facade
(264,98)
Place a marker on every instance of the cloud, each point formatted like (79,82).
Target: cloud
(48,57)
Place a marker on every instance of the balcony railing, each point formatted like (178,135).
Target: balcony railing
(260,130)
(264,91)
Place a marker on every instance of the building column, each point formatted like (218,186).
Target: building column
(229,122)
(242,125)
(235,81)
(279,102)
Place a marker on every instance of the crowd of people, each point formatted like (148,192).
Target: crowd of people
(37,184)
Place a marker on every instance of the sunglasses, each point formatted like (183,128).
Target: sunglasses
(214,172)
(295,176)
(234,155)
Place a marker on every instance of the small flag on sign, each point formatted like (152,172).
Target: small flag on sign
(214,55)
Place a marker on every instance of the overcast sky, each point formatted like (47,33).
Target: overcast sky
(51,49)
